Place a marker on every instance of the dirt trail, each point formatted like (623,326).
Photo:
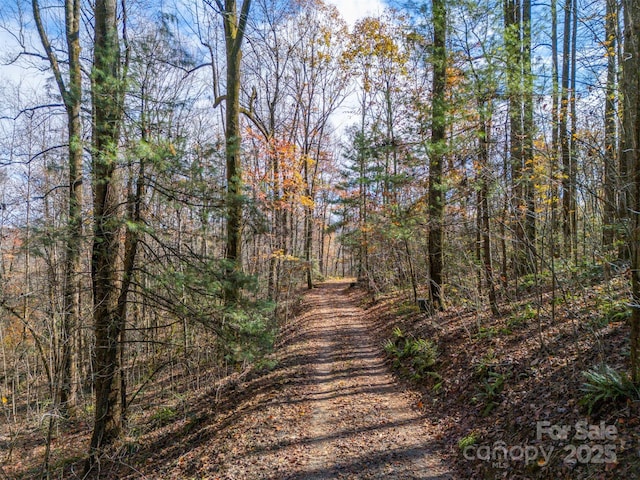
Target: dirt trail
(339,414)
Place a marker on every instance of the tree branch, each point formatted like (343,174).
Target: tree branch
(219,100)
(242,23)
(24,111)
(188,72)
(49,51)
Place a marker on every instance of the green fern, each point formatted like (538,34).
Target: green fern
(424,355)
(390,348)
(417,357)
(490,391)
(467,441)
(606,385)
(397,333)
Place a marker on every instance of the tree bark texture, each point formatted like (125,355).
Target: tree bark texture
(437,154)
(71,94)
(234,27)
(630,145)
(610,129)
(107,90)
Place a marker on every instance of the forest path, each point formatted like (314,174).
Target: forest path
(340,414)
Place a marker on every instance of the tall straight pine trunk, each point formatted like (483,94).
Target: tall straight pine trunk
(107,96)
(437,154)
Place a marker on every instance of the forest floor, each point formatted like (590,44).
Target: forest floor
(328,403)
(329,410)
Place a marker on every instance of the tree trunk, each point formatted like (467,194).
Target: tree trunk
(437,154)
(610,141)
(625,206)
(553,168)
(72,99)
(134,215)
(484,136)
(631,154)
(107,92)
(515,91)
(74,241)
(573,166)
(565,141)
(308,223)
(234,28)
(527,141)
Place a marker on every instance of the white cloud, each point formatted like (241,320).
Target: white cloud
(354,10)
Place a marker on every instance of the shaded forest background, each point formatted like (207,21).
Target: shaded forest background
(172,176)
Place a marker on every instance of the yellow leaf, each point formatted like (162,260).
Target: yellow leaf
(4,400)
(307,201)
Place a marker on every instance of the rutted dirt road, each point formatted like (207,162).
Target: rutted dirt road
(343,416)
(364,425)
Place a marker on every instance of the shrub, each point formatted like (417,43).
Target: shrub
(489,333)
(522,317)
(467,441)
(163,417)
(407,308)
(490,391)
(417,356)
(606,385)
(492,383)
(615,311)
(247,334)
